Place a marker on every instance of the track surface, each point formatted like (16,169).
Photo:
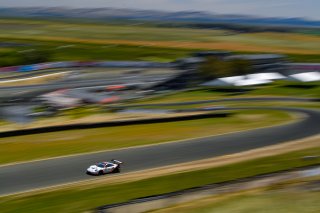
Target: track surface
(145,80)
(27,176)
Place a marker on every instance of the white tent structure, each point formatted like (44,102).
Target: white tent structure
(305,77)
(251,82)
(267,76)
(246,80)
(227,81)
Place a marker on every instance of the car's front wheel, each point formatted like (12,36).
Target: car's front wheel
(100,172)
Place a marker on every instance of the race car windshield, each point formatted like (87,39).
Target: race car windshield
(101,165)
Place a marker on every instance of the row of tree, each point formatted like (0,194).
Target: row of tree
(216,68)
(24,57)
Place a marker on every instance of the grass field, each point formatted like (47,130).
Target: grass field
(72,50)
(279,89)
(83,41)
(283,200)
(310,105)
(37,146)
(85,197)
(155,36)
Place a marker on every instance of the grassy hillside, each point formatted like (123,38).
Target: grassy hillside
(84,41)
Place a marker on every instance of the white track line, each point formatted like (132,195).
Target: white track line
(35,77)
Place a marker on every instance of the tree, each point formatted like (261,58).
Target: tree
(34,56)
(9,58)
(213,68)
(216,68)
(240,66)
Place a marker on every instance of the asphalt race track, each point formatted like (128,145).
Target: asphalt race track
(144,79)
(28,176)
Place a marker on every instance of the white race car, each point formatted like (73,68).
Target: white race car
(102,168)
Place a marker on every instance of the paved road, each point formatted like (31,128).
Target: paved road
(27,176)
(78,84)
(144,80)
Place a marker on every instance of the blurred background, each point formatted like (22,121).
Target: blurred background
(213,106)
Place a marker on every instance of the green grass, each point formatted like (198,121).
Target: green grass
(100,41)
(81,198)
(304,58)
(37,146)
(278,89)
(81,112)
(103,31)
(311,90)
(281,89)
(118,52)
(185,96)
(78,51)
(280,201)
(309,105)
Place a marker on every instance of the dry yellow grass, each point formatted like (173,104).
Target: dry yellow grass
(216,45)
(290,36)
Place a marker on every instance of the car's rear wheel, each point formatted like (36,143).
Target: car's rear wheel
(116,170)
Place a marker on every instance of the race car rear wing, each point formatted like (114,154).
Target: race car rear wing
(116,161)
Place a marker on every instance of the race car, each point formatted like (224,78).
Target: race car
(112,166)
